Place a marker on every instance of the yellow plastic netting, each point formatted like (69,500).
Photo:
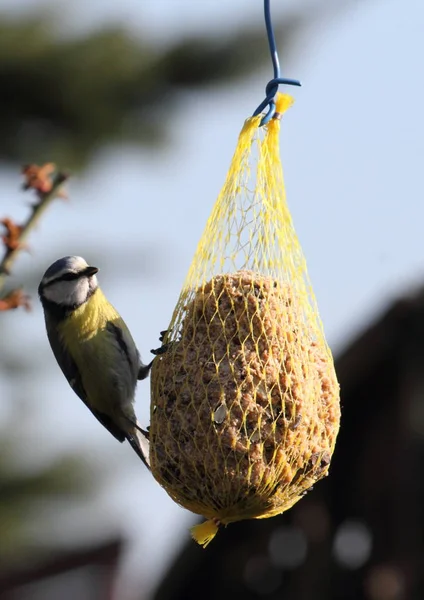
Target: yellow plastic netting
(245,402)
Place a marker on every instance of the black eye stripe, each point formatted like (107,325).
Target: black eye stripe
(66,277)
(70,276)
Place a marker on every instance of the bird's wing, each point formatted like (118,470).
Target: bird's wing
(70,370)
(137,437)
(123,338)
(128,347)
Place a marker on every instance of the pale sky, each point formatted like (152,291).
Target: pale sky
(353,150)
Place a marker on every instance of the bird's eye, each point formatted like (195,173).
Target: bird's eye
(69,277)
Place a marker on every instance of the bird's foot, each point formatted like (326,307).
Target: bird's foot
(165,347)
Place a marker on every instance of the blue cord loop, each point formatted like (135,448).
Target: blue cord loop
(272,86)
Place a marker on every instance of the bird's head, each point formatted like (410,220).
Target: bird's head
(68,283)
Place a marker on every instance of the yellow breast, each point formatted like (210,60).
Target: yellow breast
(88,319)
(84,336)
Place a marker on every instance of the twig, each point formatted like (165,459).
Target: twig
(47,189)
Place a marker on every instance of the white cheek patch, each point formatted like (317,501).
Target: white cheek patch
(92,283)
(68,293)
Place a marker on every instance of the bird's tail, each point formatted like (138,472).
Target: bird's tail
(139,440)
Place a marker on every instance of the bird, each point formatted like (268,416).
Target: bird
(94,348)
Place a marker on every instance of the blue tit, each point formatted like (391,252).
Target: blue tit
(94,348)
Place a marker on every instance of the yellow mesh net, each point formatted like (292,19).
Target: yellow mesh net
(245,402)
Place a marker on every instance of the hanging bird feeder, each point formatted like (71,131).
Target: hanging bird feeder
(245,402)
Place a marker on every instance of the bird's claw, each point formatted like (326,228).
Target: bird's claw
(164,348)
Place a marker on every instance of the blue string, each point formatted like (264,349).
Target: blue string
(272,86)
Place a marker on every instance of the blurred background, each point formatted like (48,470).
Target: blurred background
(143,101)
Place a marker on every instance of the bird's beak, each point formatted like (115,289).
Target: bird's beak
(91,271)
